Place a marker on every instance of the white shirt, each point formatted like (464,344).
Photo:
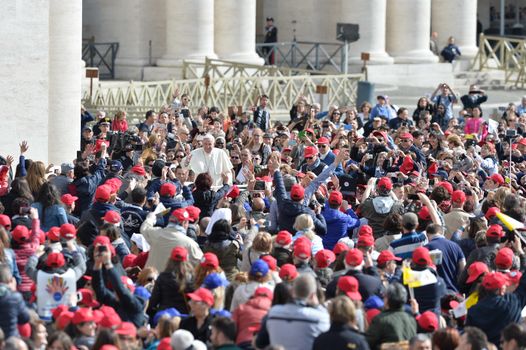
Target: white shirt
(214,163)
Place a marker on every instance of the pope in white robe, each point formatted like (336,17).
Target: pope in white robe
(213,161)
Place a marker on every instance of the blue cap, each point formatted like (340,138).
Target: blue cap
(442,173)
(259,268)
(374,302)
(171,312)
(214,280)
(220,313)
(142,293)
(116,166)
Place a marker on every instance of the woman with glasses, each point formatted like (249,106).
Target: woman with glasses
(257,146)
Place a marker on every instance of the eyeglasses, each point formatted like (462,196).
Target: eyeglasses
(309,158)
(257,158)
(234,157)
(150,279)
(406,140)
(323,146)
(336,114)
(179,156)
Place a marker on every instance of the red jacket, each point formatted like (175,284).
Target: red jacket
(23,252)
(4,184)
(248,317)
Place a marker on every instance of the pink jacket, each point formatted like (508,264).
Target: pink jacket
(24,252)
(4,184)
(119,125)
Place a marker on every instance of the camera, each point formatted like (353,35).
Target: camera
(511,133)
(102,248)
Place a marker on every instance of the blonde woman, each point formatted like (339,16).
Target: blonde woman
(36,176)
(261,245)
(304,226)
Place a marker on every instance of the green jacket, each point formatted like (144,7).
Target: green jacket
(390,326)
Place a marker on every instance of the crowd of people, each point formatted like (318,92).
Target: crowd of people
(375,227)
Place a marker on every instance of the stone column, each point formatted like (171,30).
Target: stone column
(457,19)
(372,31)
(235,40)
(65,40)
(189,31)
(408,31)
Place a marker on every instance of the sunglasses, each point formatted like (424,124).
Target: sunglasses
(309,158)
(179,157)
(150,279)
(234,157)
(406,140)
(322,146)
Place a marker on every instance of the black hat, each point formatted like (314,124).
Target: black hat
(270,19)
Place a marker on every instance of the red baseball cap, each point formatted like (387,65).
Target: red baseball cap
(167,189)
(5,221)
(354,257)
(323,141)
(56,312)
(475,270)
(202,294)
(427,321)
(68,199)
(55,260)
(385,256)
(210,260)
(447,185)
(496,231)
(105,241)
(20,233)
(139,170)
(127,329)
(422,257)
(64,319)
(310,151)
(406,135)
(179,254)
(302,250)
(365,241)
(349,285)
(494,280)
(82,315)
(129,261)
(288,272)
(103,193)
(365,230)
(297,192)
(385,183)
(324,258)
(87,298)
(339,248)
(234,192)
(336,197)
(53,234)
(114,183)
(112,217)
(263,292)
(181,214)
(497,178)
(514,277)
(284,238)
(271,261)
(194,213)
(68,231)
(111,319)
(423,214)
(491,212)
(458,196)
(504,258)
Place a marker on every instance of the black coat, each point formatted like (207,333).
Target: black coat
(369,284)
(166,294)
(340,337)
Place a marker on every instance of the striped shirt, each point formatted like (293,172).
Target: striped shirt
(404,246)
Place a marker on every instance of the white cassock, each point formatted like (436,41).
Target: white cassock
(214,163)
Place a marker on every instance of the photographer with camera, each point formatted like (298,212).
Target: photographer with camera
(129,306)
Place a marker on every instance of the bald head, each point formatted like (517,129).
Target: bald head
(258,204)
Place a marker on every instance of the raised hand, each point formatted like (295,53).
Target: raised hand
(23,147)
(9,160)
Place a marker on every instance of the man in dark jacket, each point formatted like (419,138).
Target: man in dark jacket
(393,324)
(496,309)
(312,161)
(128,306)
(290,208)
(428,296)
(14,311)
(366,274)
(338,223)
(168,191)
(85,185)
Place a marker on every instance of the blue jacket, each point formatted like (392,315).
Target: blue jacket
(289,209)
(128,306)
(55,215)
(14,311)
(338,224)
(493,313)
(155,186)
(428,297)
(85,187)
(329,159)
(11,261)
(91,220)
(385,110)
(176,203)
